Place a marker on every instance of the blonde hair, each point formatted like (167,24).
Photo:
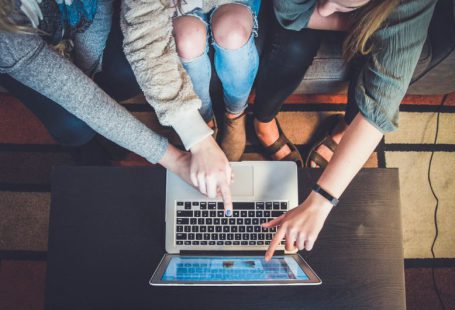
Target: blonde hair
(367,20)
(7,23)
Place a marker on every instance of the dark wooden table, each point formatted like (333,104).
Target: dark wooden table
(106,237)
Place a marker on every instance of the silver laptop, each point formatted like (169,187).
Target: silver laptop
(205,247)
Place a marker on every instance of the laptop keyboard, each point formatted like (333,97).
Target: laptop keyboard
(204,223)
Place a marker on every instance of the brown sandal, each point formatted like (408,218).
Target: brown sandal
(327,141)
(279,143)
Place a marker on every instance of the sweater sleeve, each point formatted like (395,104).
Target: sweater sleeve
(150,48)
(385,77)
(27,58)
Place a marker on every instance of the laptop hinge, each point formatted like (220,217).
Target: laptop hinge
(227,253)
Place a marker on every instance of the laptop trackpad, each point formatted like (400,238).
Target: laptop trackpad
(243,181)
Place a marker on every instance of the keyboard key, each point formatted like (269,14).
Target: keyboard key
(180,236)
(179,228)
(267,213)
(204,242)
(251,213)
(236,242)
(195,203)
(239,221)
(203,205)
(253,236)
(247,221)
(228,243)
(255,221)
(187,205)
(212,205)
(244,205)
(261,236)
(267,242)
(276,206)
(198,236)
(205,213)
(262,221)
(218,228)
(252,243)
(203,229)
(242,229)
(257,228)
(220,213)
(194,228)
(245,236)
(195,242)
(214,236)
(209,221)
(211,228)
(277,213)
(179,203)
(223,236)
(219,242)
(234,229)
(230,236)
(183,221)
(243,213)
(244,242)
(197,213)
(249,228)
(260,206)
(260,242)
(193,221)
(191,236)
(238,237)
(268,236)
(217,221)
(179,242)
(206,236)
(284,206)
(212,242)
(181,213)
(231,221)
(187,228)
(224,221)
(268,205)
(226,229)
(187,242)
(200,221)
(259,213)
(236,213)
(220,206)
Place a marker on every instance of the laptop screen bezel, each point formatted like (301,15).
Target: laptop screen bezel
(157,276)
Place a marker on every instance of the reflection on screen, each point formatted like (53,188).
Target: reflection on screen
(232,268)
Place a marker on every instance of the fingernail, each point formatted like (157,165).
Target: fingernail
(228,212)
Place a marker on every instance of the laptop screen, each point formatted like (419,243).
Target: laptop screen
(232,268)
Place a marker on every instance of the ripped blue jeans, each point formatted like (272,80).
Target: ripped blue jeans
(236,68)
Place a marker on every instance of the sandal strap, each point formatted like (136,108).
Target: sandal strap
(318,159)
(330,143)
(295,157)
(276,146)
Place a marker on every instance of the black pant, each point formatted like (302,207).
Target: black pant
(287,56)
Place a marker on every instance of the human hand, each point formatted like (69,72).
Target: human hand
(300,226)
(210,171)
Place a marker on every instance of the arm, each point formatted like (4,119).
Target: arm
(380,88)
(150,48)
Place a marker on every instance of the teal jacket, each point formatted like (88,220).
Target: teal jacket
(385,77)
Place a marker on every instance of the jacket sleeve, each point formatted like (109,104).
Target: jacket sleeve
(150,48)
(29,60)
(385,77)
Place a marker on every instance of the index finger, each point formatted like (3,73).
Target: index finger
(275,242)
(227,198)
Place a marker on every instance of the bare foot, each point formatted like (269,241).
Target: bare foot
(337,134)
(267,134)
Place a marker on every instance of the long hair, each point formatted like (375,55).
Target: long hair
(7,23)
(367,20)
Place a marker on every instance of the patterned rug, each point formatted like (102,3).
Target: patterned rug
(27,154)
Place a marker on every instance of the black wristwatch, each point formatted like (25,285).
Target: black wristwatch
(318,189)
